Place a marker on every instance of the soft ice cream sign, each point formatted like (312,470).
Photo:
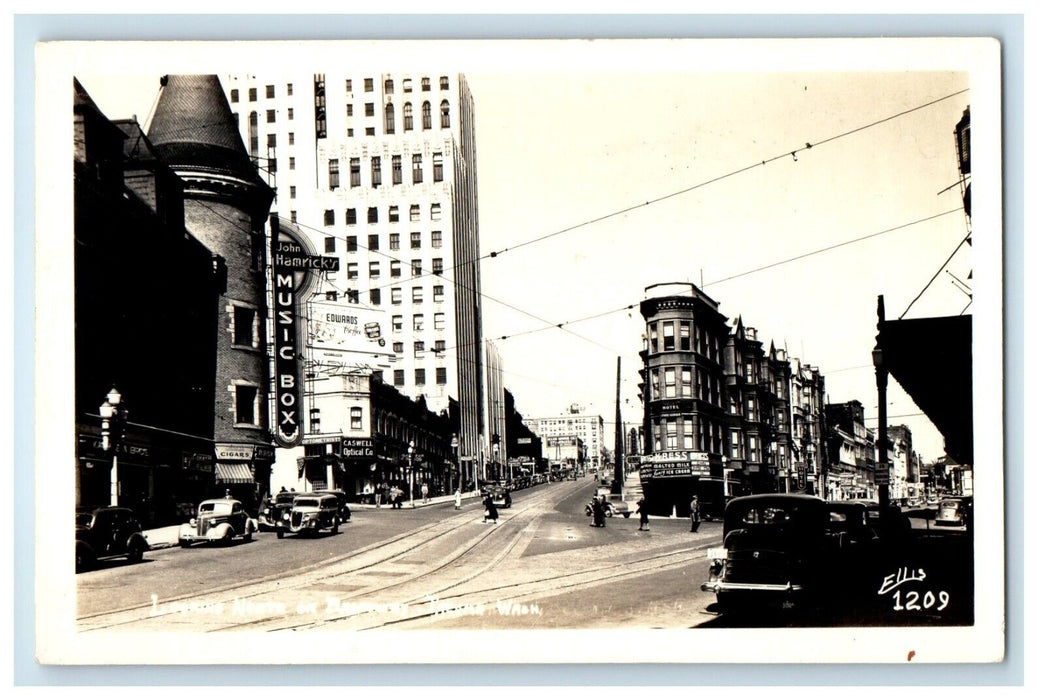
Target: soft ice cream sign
(292,265)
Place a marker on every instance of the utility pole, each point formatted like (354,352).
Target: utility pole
(881,371)
(618,445)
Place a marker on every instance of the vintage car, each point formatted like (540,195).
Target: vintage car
(785,549)
(344,508)
(954,511)
(891,524)
(313,512)
(217,520)
(611,508)
(502,497)
(108,533)
(275,514)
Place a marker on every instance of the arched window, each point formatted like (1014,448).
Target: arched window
(390,119)
(426,115)
(408,117)
(444,111)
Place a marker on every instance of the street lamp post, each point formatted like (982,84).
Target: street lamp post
(882,377)
(410,464)
(112,414)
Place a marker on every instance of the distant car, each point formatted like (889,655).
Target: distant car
(313,512)
(344,508)
(217,520)
(784,550)
(611,508)
(275,514)
(502,497)
(955,511)
(108,533)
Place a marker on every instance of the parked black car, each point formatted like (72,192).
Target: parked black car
(344,509)
(275,514)
(108,533)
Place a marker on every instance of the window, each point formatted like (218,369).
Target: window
(415,212)
(653,345)
(439,321)
(292,163)
(397,348)
(353,296)
(419,348)
(418,173)
(393,241)
(348,110)
(417,295)
(437,167)
(252,94)
(437,292)
(440,346)
(669,383)
(350,217)
(734,444)
(408,85)
(375,297)
(293,192)
(397,295)
(372,242)
(353,170)
(368,84)
(293,216)
(290,89)
(444,83)
(352,269)
(684,335)
(415,239)
(655,383)
(368,109)
(270,91)
(397,170)
(436,213)
(328,217)
(246,404)
(671,434)
(348,85)
(335,174)
(270,116)
(419,322)
(437,266)
(243,326)
(397,324)
(396,271)
(419,376)
(331,296)
(426,84)
(393,214)
(408,117)
(390,119)
(753,449)
(328,244)
(687,382)
(750,411)
(375,171)
(749,370)
(234,96)
(437,239)
(290,114)
(669,336)
(426,115)
(397,377)
(687,433)
(375,268)
(389,86)
(290,138)
(356,417)
(444,114)
(371,215)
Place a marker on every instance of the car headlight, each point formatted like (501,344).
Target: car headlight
(286,516)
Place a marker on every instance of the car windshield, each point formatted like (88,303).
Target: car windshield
(285,498)
(306,503)
(216,508)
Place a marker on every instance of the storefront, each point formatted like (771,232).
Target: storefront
(243,471)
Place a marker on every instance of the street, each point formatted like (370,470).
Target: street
(541,567)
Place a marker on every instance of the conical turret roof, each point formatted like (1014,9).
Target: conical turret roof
(193,128)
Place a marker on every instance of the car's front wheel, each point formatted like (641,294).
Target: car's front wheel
(337,524)
(135,552)
(279,534)
(84,558)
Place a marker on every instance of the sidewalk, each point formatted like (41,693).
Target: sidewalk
(164,537)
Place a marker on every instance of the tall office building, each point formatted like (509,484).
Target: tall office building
(379,171)
(589,428)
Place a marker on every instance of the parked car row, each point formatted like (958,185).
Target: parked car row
(113,532)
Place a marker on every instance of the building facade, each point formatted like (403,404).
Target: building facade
(379,172)
(589,428)
(226,207)
(808,449)
(851,452)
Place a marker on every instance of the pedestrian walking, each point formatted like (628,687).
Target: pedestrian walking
(598,512)
(424,492)
(457,499)
(490,512)
(694,514)
(643,515)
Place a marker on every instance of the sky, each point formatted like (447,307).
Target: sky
(679,149)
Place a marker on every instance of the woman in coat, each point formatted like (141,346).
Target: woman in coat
(491,509)
(643,515)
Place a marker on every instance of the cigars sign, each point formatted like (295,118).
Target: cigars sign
(291,266)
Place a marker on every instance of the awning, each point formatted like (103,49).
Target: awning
(931,358)
(233,473)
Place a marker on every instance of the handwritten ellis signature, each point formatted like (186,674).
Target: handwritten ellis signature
(902,576)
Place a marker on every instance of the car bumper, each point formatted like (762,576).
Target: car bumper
(720,586)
